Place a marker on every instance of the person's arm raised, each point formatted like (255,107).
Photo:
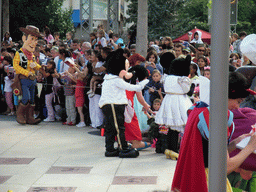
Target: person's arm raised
(236,161)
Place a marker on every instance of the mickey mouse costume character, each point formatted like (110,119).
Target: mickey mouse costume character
(25,67)
(113,101)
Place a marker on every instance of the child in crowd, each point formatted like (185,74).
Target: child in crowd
(7,88)
(156,105)
(56,36)
(151,60)
(157,133)
(193,73)
(207,72)
(101,38)
(70,101)
(39,96)
(97,78)
(79,94)
(154,88)
(49,95)
(202,62)
(69,38)
(93,39)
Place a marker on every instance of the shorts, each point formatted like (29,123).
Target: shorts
(79,101)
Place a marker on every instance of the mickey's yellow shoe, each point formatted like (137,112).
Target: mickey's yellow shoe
(171,154)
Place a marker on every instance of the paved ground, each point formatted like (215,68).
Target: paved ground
(57,158)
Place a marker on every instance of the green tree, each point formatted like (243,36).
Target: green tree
(40,14)
(162,17)
(246,16)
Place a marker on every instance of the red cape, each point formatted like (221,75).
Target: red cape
(189,174)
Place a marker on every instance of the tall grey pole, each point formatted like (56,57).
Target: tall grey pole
(219,95)
(108,16)
(0,23)
(91,16)
(81,18)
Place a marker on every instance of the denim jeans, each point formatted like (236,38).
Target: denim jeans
(28,91)
(147,97)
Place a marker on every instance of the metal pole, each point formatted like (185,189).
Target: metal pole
(108,16)
(90,16)
(0,23)
(116,8)
(219,95)
(81,18)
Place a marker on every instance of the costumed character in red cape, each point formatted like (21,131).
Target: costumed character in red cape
(25,67)
(191,174)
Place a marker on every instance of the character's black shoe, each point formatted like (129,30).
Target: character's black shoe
(112,153)
(129,153)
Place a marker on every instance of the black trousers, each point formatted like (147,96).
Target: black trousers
(110,129)
(173,140)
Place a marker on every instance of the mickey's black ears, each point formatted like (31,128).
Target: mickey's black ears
(166,60)
(139,72)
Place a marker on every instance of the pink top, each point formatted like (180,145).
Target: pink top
(49,39)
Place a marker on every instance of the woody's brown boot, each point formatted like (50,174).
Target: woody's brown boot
(21,113)
(30,115)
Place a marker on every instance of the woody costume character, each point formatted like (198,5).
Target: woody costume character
(25,67)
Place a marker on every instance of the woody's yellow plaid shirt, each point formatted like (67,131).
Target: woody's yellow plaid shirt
(21,70)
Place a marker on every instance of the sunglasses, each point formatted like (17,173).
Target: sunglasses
(201,50)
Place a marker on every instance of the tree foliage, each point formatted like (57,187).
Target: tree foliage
(162,16)
(40,14)
(175,17)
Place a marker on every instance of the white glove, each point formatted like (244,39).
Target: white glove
(32,65)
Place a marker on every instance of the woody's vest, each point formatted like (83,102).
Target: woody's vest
(23,60)
(24,65)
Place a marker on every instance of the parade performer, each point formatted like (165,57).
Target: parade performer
(172,114)
(25,67)
(113,101)
(191,173)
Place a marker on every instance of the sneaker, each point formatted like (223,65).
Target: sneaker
(49,119)
(65,123)
(11,114)
(81,124)
(89,92)
(71,124)
(58,118)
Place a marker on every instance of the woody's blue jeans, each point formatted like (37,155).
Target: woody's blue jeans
(28,91)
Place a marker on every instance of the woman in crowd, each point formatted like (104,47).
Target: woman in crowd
(48,36)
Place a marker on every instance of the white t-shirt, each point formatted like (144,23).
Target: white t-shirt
(8,83)
(98,64)
(63,66)
(102,41)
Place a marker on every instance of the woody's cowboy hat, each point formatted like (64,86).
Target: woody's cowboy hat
(32,30)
